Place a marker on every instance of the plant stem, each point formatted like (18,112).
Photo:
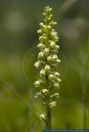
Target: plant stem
(85,114)
(85,117)
(48,116)
(85,108)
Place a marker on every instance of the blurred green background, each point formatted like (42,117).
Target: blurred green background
(19,21)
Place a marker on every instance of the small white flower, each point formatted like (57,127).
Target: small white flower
(40,55)
(58,79)
(42,117)
(57,47)
(51,77)
(57,74)
(41,38)
(37,64)
(49,9)
(42,72)
(42,25)
(45,91)
(52,104)
(44,14)
(56,85)
(49,58)
(37,95)
(54,23)
(39,31)
(54,57)
(46,51)
(49,27)
(58,61)
(54,34)
(47,68)
(37,83)
(56,95)
(41,46)
(52,44)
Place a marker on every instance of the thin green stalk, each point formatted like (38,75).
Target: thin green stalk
(85,117)
(84,106)
(84,101)
(48,116)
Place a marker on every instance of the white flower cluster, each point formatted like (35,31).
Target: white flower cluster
(49,78)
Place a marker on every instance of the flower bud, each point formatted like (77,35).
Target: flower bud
(41,46)
(57,74)
(37,64)
(52,104)
(47,9)
(57,47)
(54,57)
(56,85)
(58,79)
(53,23)
(51,77)
(47,68)
(39,31)
(37,95)
(58,61)
(42,117)
(46,51)
(55,95)
(45,91)
(44,14)
(49,27)
(42,25)
(42,38)
(40,55)
(54,34)
(49,58)
(56,38)
(37,83)
(52,44)
(42,72)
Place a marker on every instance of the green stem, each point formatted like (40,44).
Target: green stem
(84,92)
(48,116)
(85,118)
(85,108)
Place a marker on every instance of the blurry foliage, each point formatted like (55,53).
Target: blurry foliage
(19,20)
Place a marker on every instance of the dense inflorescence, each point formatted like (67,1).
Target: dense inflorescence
(49,79)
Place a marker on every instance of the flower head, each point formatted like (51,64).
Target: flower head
(47,61)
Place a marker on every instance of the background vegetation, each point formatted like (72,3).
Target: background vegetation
(19,21)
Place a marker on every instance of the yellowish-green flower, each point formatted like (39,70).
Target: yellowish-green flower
(47,62)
